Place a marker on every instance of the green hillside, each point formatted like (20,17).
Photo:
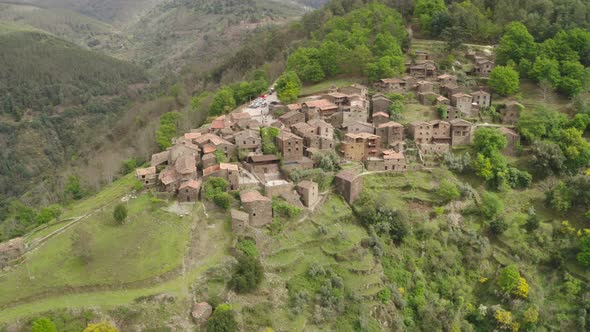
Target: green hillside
(56,98)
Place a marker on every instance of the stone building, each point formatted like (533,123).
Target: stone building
(380,118)
(348,185)
(258,207)
(425,86)
(239,221)
(324,108)
(435,131)
(248,141)
(390,133)
(189,191)
(446,79)
(302,129)
(380,103)
(359,127)
(322,128)
(147,176)
(483,67)
(290,146)
(461,132)
(355,89)
(449,89)
(292,117)
(482,98)
(463,102)
(512,140)
(11,250)
(309,192)
(360,146)
(263,164)
(389,161)
(511,112)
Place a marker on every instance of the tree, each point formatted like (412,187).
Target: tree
(223,200)
(509,279)
(222,320)
(213,186)
(101,327)
(491,205)
(545,69)
(47,214)
(223,101)
(248,274)
(547,158)
(82,245)
(489,140)
(504,80)
(43,324)
(120,213)
(306,63)
(516,44)
(425,10)
(448,191)
(288,87)
(73,188)
(560,198)
(584,256)
(167,129)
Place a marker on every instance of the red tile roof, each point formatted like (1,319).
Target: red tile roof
(185,165)
(194,184)
(146,171)
(383,114)
(252,196)
(322,104)
(167,176)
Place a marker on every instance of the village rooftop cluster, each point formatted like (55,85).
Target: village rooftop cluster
(349,121)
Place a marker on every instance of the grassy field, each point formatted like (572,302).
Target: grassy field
(327,84)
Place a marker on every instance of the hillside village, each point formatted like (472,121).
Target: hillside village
(353,122)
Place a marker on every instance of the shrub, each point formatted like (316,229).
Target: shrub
(491,205)
(101,327)
(120,213)
(509,279)
(384,295)
(48,213)
(248,247)
(43,324)
(282,209)
(248,274)
(214,186)
(498,226)
(223,200)
(448,191)
(222,320)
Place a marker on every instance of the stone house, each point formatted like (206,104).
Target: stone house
(322,128)
(309,192)
(442,100)
(294,107)
(292,117)
(463,102)
(297,165)
(337,98)
(482,98)
(303,129)
(427,98)
(355,89)
(189,191)
(380,103)
(389,85)
(160,158)
(240,119)
(183,149)
(168,179)
(147,176)
(461,132)
(231,172)
(11,250)
(210,143)
(390,133)
(186,168)
(425,86)
(248,141)
(359,127)
(208,160)
(423,55)
(483,67)
(446,79)
(449,89)
(290,146)
(422,69)
(351,115)
(434,148)
(239,221)
(258,207)
(435,131)
(324,108)
(380,118)
(360,146)
(348,185)
(356,101)
(511,112)
(389,161)
(513,141)
(441,131)
(454,113)
(263,164)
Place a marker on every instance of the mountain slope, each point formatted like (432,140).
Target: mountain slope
(54,95)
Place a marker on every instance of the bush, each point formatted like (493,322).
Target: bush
(498,226)
(214,186)
(43,324)
(222,320)
(509,279)
(101,327)
(282,209)
(491,205)
(223,200)
(448,191)
(120,213)
(385,295)
(248,274)
(248,247)
(48,213)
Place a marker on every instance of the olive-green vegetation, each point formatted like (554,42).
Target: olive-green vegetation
(215,189)
(168,129)
(222,320)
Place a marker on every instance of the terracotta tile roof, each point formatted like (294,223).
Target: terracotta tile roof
(218,123)
(289,115)
(229,167)
(209,148)
(214,139)
(380,97)
(337,95)
(191,136)
(252,196)
(248,133)
(294,107)
(208,156)
(392,154)
(390,124)
(160,158)
(322,104)
(185,165)
(194,184)
(285,135)
(445,76)
(442,98)
(383,114)
(145,171)
(167,176)
(459,122)
(240,115)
